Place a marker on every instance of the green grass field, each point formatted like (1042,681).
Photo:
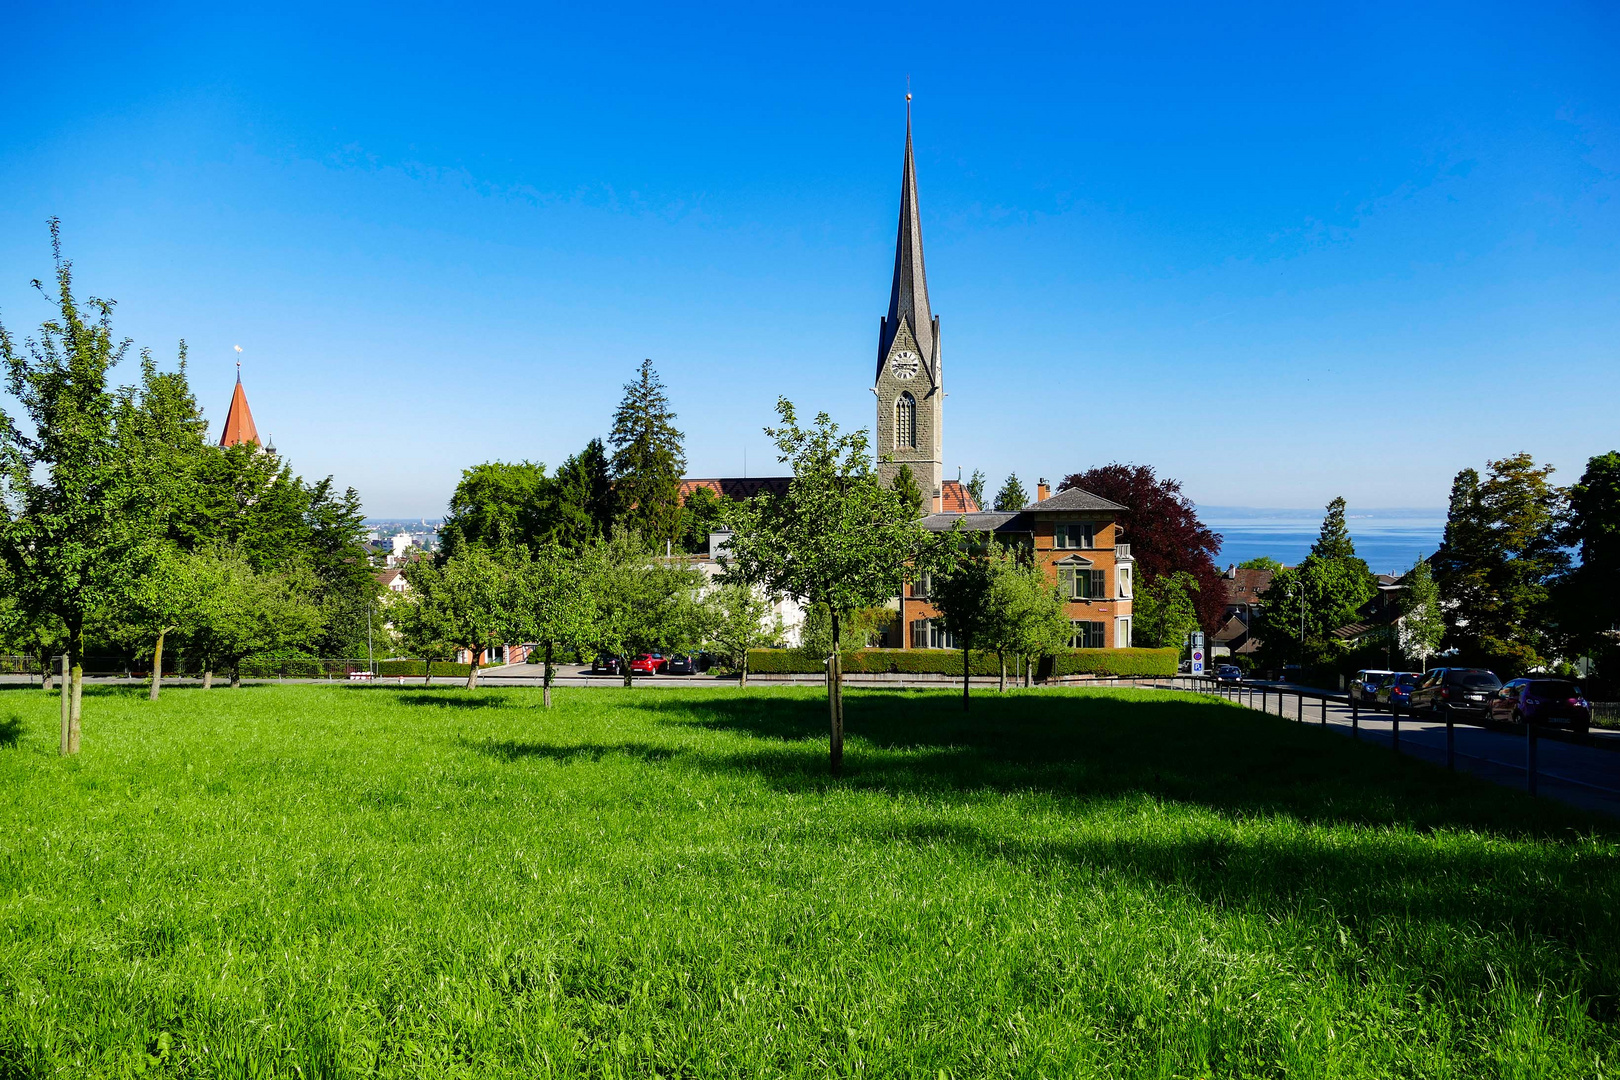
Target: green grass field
(376,881)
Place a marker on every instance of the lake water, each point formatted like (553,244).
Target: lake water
(1390,540)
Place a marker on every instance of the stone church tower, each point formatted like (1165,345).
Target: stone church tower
(910,390)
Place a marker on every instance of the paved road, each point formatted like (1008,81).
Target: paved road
(1583,776)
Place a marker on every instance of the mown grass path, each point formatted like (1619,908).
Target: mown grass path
(376,881)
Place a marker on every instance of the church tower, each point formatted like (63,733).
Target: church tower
(910,390)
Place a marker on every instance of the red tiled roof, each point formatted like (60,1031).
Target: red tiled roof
(737,487)
(955,498)
(239,421)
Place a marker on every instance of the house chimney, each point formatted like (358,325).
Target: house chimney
(1042,492)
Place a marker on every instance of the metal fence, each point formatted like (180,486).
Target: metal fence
(180,667)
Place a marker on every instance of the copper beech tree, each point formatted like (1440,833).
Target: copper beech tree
(837,536)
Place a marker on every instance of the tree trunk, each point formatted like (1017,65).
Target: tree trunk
(545,696)
(624,669)
(157,666)
(472,670)
(236,675)
(76,673)
(67,709)
(1002,688)
(742,676)
(967,674)
(835,701)
(427,680)
(47,677)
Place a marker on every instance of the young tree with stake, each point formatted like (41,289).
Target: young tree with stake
(557,608)
(837,536)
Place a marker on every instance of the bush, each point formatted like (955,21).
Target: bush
(395,668)
(949,662)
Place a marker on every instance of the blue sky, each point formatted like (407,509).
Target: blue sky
(1281,254)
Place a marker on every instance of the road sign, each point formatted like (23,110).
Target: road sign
(1198,659)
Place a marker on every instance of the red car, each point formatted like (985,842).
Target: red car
(648,664)
(1542,701)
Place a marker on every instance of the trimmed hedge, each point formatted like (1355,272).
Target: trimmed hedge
(393,668)
(1127,662)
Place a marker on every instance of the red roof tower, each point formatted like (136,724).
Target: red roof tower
(239,419)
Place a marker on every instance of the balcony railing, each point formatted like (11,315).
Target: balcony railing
(1122,551)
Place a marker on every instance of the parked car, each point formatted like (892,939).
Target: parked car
(1364,687)
(1229,673)
(1455,690)
(606,665)
(681,664)
(1395,692)
(1541,701)
(648,664)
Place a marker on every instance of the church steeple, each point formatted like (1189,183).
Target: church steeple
(908,295)
(239,419)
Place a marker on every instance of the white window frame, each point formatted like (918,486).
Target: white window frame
(1122,632)
(1122,582)
(1086,529)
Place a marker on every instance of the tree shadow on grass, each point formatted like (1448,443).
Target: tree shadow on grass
(454,700)
(1095,745)
(511,750)
(1535,906)
(10,732)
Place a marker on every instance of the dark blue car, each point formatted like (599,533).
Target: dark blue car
(1395,692)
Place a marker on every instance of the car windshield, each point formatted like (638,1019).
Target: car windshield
(1552,689)
(1408,680)
(1475,680)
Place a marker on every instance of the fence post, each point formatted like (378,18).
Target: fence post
(1530,756)
(1324,710)
(1451,742)
(1395,731)
(1299,710)
(1355,719)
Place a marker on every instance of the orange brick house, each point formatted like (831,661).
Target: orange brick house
(1075,537)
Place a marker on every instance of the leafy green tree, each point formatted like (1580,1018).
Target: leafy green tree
(1261,562)
(1498,563)
(418,628)
(241,612)
(648,461)
(165,598)
(1165,611)
(641,602)
(975,486)
(469,602)
(702,513)
(1421,628)
(1588,596)
(499,505)
(73,539)
(1012,496)
(583,505)
(557,608)
(961,590)
(837,536)
(905,486)
(739,624)
(1307,603)
(1029,616)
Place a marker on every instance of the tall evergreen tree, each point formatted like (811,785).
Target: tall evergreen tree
(1012,496)
(1333,542)
(905,486)
(975,486)
(583,504)
(648,461)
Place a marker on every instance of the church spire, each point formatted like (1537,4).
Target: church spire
(239,418)
(908,296)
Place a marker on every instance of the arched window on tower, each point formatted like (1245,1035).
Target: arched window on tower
(905,422)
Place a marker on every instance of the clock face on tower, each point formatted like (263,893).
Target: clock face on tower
(904,364)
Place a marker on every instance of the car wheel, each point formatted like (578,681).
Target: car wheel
(1518,717)
(1583,730)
